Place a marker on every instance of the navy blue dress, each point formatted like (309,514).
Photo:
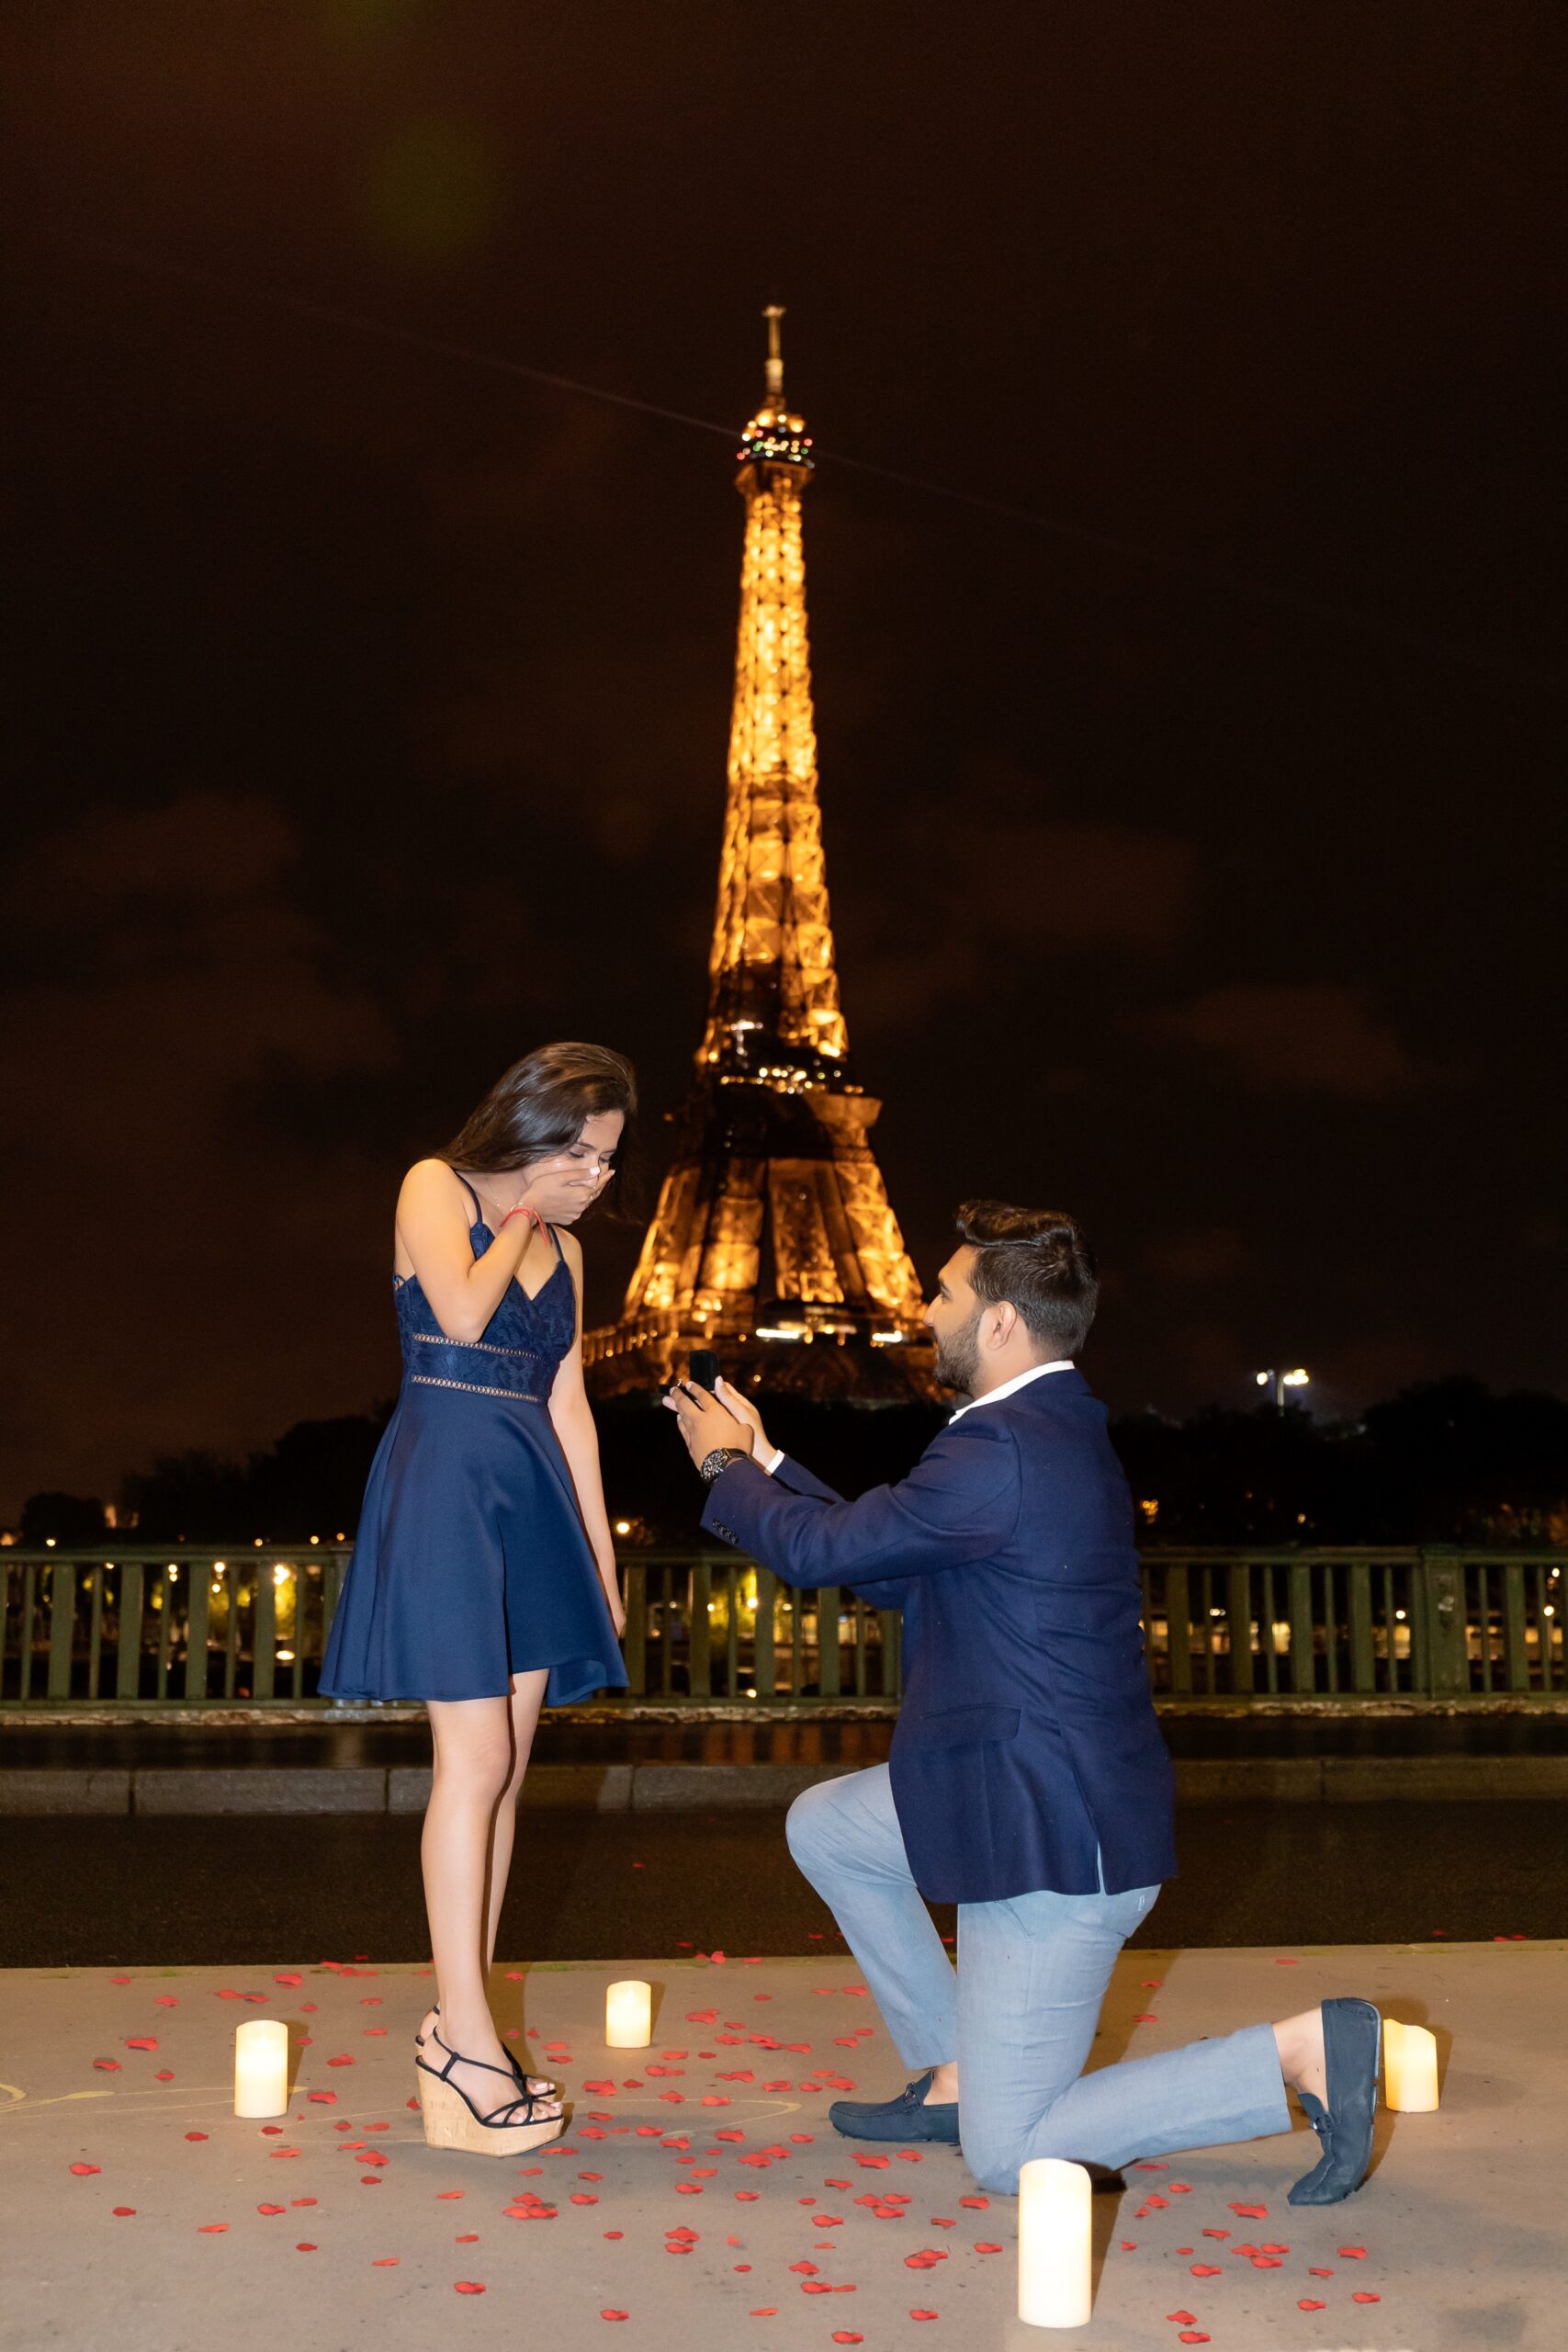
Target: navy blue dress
(471,1563)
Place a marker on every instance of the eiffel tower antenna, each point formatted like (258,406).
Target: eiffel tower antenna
(772,314)
(774,1242)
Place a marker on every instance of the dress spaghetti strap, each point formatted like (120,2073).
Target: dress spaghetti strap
(478,1215)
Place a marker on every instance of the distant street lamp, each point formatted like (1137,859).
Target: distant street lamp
(1278,1382)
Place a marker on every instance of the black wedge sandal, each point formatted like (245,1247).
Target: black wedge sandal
(452,2120)
(534,2085)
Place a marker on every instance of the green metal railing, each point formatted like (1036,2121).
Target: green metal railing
(190,1623)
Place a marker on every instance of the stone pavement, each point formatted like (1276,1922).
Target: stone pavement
(702,2199)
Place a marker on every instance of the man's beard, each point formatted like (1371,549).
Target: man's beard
(958,1358)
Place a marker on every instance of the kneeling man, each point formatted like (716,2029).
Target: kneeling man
(1028,1783)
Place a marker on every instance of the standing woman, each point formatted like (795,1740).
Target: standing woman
(483,1577)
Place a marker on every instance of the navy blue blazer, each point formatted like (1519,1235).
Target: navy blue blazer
(1027,1736)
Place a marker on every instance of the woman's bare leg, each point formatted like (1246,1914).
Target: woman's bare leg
(474,1767)
(528,1699)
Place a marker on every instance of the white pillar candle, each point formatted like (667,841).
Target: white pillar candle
(261,2067)
(1409,2067)
(1055,2279)
(628,2016)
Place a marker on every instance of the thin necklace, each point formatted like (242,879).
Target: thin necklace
(502,1209)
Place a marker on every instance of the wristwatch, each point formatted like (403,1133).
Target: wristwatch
(714,1466)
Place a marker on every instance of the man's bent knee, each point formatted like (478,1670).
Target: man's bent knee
(806,1821)
(994,2159)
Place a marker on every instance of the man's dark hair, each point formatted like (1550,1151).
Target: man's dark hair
(1038,1260)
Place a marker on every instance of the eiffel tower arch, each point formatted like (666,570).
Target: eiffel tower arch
(773,1242)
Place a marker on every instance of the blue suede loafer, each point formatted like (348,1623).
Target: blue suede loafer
(1353,2039)
(905,2118)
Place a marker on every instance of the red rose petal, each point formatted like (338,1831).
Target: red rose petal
(1205,2270)
(386,2261)
(305,2247)
(922,2314)
(1353,2252)
(1182,2319)
(1251,2212)
(85,2168)
(141,2041)
(846,2336)
(1306,2303)
(468,2286)
(124,2210)
(196,2135)
(106,2065)
(981,2248)
(613,2314)
(272,2209)
(211,2229)
(1363,2296)
(1192,2335)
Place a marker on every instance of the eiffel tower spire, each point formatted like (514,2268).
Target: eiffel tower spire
(774,1242)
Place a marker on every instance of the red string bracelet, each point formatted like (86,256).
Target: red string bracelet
(520,1210)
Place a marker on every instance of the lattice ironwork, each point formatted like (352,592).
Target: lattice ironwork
(774,1238)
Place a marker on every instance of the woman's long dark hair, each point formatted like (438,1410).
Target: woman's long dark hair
(539,1107)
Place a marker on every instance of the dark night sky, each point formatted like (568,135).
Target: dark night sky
(369,706)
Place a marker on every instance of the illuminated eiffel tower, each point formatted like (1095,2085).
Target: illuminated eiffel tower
(773,1242)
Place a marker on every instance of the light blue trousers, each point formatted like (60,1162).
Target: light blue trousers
(1020,2014)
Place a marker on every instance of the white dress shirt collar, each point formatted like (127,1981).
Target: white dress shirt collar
(1008,1388)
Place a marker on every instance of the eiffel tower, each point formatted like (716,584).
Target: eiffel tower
(773,1242)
